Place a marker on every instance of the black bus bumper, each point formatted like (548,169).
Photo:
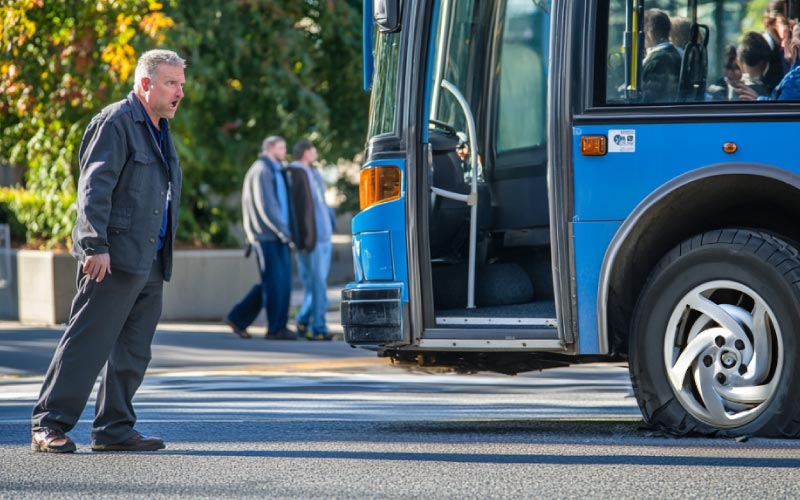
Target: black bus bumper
(372,316)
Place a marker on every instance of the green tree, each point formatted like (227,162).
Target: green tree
(258,68)
(754,16)
(255,67)
(60,62)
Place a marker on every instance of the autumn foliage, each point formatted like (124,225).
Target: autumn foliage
(255,67)
(60,63)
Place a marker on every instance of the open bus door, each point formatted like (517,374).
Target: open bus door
(488,219)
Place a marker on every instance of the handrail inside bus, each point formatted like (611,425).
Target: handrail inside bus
(634,46)
(441,41)
(472,199)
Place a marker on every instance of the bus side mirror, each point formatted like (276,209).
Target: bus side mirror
(387,15)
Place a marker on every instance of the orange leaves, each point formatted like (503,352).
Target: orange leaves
(119,53)
(17,95)
(16,27)
(60,61)
(121,60)
(153,24)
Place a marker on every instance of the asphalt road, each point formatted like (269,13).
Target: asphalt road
(259,419)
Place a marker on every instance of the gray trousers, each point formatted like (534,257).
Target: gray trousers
(111,327)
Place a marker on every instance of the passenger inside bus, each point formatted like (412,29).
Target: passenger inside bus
(776,33)
(789,87)
(661,68)
(679,33)
(753,55)
(725,87)
(707,33)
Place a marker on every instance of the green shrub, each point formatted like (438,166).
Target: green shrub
(43,220)
(7,216)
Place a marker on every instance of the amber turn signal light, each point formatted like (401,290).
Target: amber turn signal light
(730,147)
(378,184)
(594,145)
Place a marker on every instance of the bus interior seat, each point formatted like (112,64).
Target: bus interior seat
(521,212)
(525,222)
(449,219)
(694,66)
(497,284)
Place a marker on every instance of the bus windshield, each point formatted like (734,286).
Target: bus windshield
(456,34)
(383,107)
(520,67)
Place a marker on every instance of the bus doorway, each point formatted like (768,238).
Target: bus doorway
(488,226)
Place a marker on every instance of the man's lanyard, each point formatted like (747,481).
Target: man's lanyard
(159,137)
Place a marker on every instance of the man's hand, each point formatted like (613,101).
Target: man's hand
(96,266)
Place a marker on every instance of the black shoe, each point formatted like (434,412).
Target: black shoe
(241,332)
(282,335)
(136,443)
(45,439)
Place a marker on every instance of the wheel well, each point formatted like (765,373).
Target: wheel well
(714,202)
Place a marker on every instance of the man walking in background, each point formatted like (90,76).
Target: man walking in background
(128,198)
(313,254)
(266,220)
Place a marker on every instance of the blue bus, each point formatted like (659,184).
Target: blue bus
(549,182)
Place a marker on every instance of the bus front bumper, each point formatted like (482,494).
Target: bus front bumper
(372,316)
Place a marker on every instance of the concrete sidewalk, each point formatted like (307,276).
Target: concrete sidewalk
(333,319)
(180,346)
(37,287)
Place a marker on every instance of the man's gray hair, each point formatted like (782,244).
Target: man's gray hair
(271,141)
(151,60)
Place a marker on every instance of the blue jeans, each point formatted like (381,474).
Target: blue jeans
(313,268)
(274,291)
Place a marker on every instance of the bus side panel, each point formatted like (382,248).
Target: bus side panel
(591,240)
(609,187)
(379,241)
(642,158)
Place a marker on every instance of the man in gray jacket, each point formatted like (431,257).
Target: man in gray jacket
(128,198)
(266,218)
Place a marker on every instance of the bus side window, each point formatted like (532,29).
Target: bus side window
(718,29)
(523,78)
(615,88)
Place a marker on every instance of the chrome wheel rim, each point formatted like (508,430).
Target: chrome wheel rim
(723,353)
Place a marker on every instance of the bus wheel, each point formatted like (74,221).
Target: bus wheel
(714,343)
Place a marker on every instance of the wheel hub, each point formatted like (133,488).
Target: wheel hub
(729,359)
(723,353)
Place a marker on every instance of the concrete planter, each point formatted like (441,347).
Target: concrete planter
(9,305)
(205,283)
(45,286)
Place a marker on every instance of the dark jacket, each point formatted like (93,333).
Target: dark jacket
(661,73)
(777,64)
(123,189)
(304,226)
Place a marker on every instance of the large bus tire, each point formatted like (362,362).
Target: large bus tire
(714,340)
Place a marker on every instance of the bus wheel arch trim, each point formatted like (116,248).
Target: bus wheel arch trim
(639,220)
